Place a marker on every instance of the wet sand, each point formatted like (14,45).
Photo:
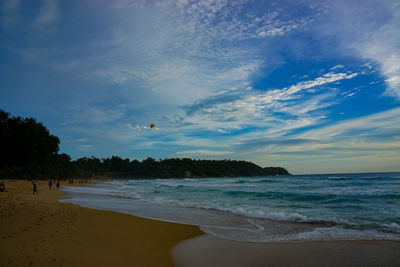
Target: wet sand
(207,250)
(37,230)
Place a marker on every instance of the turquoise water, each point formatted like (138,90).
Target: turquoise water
(262,209)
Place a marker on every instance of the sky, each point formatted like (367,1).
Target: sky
(312,86)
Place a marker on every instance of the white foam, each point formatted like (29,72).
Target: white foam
(339,233)
(394,227)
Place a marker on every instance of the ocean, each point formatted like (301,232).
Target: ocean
(363,206)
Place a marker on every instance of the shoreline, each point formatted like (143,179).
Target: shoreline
(38,230)
(42,231)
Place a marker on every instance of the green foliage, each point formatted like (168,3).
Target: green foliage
(27,147)
(117,167)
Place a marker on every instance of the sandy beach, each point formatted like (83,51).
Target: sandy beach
(38,230)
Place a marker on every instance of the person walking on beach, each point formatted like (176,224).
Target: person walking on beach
(58,185)
(34,187)
(3,187)
(50,183)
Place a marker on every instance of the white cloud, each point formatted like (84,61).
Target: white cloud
(190,46)
(370,143)
(172,53)
(336,67)
(90,115)
(48,14)
(202,153)
(326,78)
(384,48)
(383,120)
(260,108)
(142,127)
(318,102)
(240,73)
(370,31)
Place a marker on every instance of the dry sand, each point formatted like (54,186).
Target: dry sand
(37,230)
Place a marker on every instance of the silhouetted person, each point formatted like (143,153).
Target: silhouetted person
(58,185)
(3,187)
(34,188)
(50,184)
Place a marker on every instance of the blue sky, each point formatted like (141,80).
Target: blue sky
(313,86)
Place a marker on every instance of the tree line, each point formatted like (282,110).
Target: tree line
(116,167)
(29,150)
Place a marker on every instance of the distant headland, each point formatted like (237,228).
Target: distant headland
(29,150)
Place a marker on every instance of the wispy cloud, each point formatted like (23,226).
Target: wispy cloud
(192,47)
(336,67)
(48,14)
(182,52)
(231,110)
(369,143)
(378,122)
(382,45)
(9,12)
(382,128)
(96,115)
(371,33)
(203,153)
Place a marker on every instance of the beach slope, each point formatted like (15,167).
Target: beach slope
(37,230)
(207,250)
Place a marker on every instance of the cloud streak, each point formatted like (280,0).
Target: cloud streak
(379,121)
(48,14)
(233,111)
(370,33)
